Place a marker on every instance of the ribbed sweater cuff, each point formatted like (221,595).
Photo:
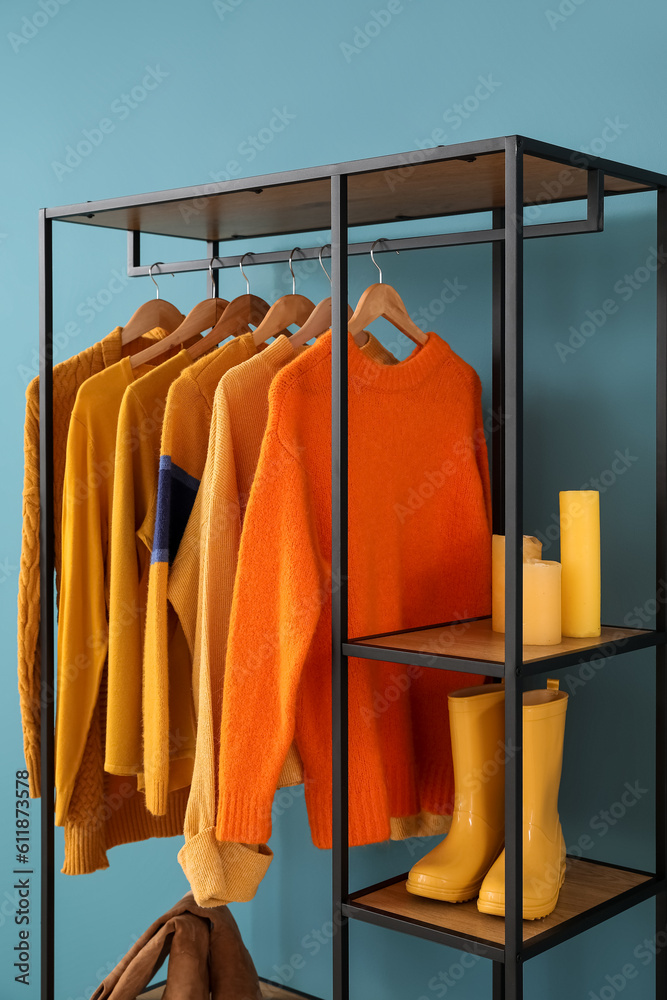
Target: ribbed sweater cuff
(401,791)
(85,849)
(157,789)
(368,824)
(33,763)
(243,818)
(157,793)
(119,821)
(221,873)
(436,788)
(423,825)
(63,797)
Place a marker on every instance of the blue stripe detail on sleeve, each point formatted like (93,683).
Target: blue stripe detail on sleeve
(176,494)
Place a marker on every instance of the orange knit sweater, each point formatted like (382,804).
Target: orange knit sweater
(419,553)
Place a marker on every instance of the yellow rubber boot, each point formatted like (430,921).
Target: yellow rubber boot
(543,843)
(454,870)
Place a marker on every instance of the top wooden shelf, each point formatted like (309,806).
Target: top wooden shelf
(433,183)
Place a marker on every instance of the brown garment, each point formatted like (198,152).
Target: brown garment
(207,957)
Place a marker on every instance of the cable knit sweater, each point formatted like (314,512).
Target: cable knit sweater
(68,376)
(98,810)
(415,431)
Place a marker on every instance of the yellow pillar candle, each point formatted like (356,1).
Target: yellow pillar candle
(532,549)
(580,559)
(541,602)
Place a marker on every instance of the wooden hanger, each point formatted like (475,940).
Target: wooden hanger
(380,300)
(204,315)
(237,317)
(287,310)
(156,312)
(319,320)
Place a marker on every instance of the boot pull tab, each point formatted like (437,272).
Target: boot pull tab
(553,684)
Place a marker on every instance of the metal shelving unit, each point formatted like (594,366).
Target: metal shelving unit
(501,177)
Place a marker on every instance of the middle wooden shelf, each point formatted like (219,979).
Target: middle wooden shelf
(471,646)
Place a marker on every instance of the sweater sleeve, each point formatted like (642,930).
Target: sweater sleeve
(217,872)
(29,673)
(277,600)
(123,754)
(82,625)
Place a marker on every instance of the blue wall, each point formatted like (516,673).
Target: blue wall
(586,74)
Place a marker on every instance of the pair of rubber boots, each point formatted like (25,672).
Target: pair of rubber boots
(470,861)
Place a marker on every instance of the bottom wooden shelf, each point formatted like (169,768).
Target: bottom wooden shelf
(592,892)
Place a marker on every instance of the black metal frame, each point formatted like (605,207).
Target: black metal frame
(506,236)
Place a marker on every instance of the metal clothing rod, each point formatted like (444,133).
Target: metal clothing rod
(136,270)
(593,223)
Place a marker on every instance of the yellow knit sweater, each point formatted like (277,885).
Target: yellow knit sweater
(97,810)
(68,376)
(182,458)
(134,489)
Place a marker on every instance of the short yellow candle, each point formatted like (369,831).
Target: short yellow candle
(580,558)
(541,602)
(532,549)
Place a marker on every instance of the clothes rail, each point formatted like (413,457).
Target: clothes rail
(511,177)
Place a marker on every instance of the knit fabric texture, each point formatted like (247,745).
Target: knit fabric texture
(135,485)
(206,564)
(419,553)
(97,810)
(167,660)
(68,376)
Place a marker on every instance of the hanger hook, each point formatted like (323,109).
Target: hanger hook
(381,240)
(150,274)
(292,269)
(247,282)
(322,249)
(210,271)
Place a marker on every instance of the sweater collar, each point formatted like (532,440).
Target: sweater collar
(370,373)
(112,347)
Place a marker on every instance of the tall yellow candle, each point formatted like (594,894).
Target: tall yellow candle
(580,559)
(532,549)
(541,602)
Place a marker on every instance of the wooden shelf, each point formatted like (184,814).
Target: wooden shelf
(300,203)
(592,892)
(473,646)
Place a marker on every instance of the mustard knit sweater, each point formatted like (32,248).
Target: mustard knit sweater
(134,489)
(98,810)
(68,376)
(182,457)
